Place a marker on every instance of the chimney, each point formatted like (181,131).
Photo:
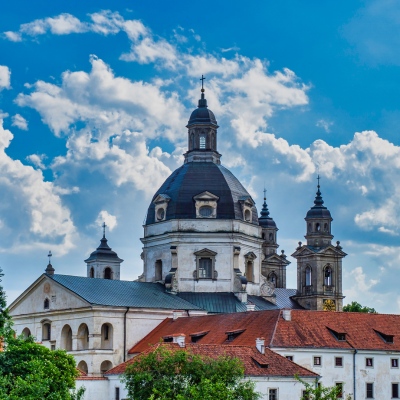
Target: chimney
(250,307)
(287,315)
(179,339)
(175,315)
(260,344)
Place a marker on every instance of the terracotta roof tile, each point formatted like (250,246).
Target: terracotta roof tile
(276,364)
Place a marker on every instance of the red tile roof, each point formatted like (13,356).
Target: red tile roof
(305,329)
(249,355)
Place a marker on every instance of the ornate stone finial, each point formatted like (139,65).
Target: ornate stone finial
(299,247)
(338,246)
(49,269)
(104,229)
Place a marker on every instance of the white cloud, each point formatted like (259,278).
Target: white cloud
(32,214)
(37,160)
(5,75)
(13,36)
(20,122)
(108,219)
(325,125)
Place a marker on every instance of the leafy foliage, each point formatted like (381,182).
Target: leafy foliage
(165,374)
(31,371)
(320,392)
(357,307)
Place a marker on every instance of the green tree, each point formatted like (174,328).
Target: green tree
(165,374)
(357,307)
(31,371)
(320,392)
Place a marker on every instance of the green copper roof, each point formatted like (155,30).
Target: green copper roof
(122,293)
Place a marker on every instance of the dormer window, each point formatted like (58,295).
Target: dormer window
(385,337)
(206,205)
(340,336)
(161,204)
(232,335)
(247,208)
(195,337)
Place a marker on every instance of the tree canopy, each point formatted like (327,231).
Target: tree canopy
(31,371)
(320,392)
(166,374)
(357,307)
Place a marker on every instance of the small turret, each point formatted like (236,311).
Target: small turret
(49,269)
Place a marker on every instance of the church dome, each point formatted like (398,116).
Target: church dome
(318,210)
(103,252)
(194,178)
(265,220)
(202,115)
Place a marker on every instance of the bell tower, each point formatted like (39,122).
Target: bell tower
(319,263)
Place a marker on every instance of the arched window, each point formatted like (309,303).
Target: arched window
(105,366)
(317,227)
(273,278)
(46,330)
(83,366)
(247,215)
(92,272)
(205,268)
(328,276)
(309,227)
(308,276)
(26,333)
(66,338)
(326,227)
(107,337)
(271,237)
(158,271)
(202,141)
(263,235)
(108,273)
(46,304)
(249,271)
(83,337)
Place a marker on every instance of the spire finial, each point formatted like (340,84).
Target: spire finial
(318,198)
(202,83)
(49,269)
(104,229)
(265,193)
(264,210)
(49,255)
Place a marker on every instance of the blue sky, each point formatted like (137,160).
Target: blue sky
(95,96)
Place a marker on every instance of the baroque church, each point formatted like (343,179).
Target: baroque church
(206,250)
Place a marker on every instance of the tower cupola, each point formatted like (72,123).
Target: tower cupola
(318,221)
(202,133)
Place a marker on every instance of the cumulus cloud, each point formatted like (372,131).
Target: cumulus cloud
(5,75)
(20,122)
(37,160)
(108,219)
(32,214)
(325,125)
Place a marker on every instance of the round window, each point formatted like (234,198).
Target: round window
(206,211)
(160,214)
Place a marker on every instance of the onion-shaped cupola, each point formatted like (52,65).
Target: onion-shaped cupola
(265,220)
(202,133)
(269,229)
(318,221)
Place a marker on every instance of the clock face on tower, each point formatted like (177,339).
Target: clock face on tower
(329,305)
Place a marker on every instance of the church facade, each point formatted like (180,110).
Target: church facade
(206,250)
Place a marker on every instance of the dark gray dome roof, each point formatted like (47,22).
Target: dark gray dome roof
(104,251)
(202,116)
(265,220)
(197,177)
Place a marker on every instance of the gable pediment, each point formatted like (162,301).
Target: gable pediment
(205,253)
(32,300)
(275,259)
(206,196)
(161,198)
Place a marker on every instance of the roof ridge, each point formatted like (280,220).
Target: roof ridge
(275,328)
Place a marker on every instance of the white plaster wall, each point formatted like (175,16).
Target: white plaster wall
(381,374)
(95,390)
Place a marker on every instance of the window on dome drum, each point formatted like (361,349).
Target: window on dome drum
(206,211)
(317,361)
(92,272)
(369,391)
(394,362)
(395,390)
(326,227)
(46,304)
(328,276)
(317,227)
(369,362)
(339,386)
(205,268)
(46,331)
(158,271)
(108,273)
(273,394)
(338,361)
(308,276)
(202,141)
